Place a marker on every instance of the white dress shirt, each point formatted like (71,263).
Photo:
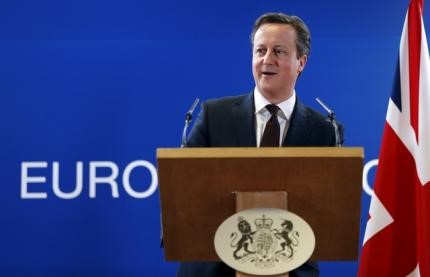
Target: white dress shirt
(262,115)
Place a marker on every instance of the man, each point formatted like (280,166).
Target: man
(271,115)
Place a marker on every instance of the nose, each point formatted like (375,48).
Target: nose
(269,57)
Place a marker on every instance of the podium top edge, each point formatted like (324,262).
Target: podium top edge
(254,152)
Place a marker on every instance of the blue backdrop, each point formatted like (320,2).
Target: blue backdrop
(85,82)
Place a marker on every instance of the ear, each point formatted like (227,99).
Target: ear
(302,62)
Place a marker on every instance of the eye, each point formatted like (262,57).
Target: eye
(279,52)
(260,51)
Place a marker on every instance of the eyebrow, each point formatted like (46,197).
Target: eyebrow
(276,46)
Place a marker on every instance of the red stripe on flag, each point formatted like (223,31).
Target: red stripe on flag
(414,42)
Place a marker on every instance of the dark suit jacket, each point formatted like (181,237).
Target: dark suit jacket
(230,122)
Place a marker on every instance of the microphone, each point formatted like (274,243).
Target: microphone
(331,116)
(188,118)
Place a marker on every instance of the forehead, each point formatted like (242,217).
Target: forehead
(272,34)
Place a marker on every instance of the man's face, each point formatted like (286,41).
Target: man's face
(275,65)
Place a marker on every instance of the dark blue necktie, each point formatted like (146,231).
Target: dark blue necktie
(272,130)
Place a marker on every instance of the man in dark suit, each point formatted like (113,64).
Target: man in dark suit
(271,115)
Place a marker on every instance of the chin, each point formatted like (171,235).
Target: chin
(268,92)
(267,88)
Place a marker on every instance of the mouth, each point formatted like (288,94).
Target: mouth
(268,73)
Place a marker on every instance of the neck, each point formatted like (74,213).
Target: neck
(276,98)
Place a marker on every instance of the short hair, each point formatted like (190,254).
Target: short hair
(303,40)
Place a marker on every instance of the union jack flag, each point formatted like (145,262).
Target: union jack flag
(397,237)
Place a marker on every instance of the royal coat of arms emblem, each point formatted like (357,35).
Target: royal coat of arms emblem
(264,241)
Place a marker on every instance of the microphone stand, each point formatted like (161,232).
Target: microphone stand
(188,118)
(331,116)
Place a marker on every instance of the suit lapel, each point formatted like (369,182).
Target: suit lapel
(300,126)
(243,120)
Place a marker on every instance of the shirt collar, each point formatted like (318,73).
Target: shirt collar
(286,106)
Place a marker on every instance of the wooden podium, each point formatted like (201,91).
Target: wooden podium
(198,192)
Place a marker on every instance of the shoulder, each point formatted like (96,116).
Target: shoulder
(317,117)
(226,101)
(311,114)
(319,123)
(224,106)
(309,128)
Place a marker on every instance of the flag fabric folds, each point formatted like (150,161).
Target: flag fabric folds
(397,237)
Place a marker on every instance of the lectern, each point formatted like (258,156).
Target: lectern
(198,185)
